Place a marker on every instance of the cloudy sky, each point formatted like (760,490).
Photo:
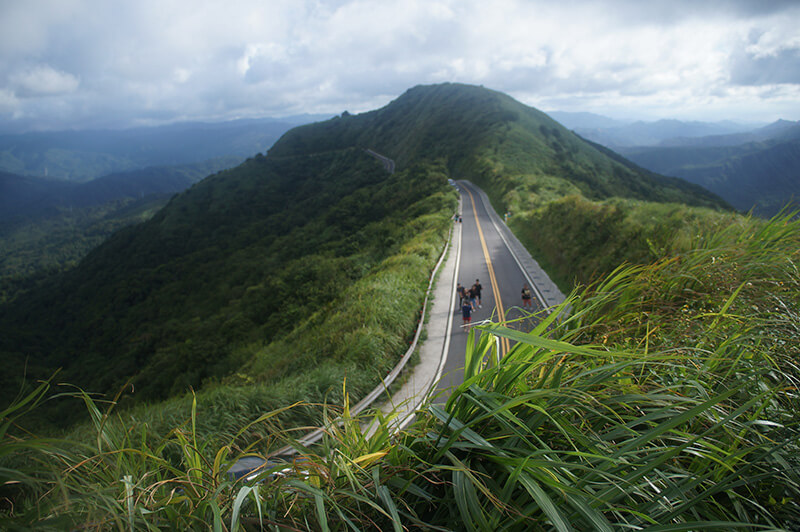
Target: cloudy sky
(119,63)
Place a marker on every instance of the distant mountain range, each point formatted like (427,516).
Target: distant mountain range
(85,155)
(758,170)
(751,167)
(585,121)
(616,134)
(776,131)
(27,197)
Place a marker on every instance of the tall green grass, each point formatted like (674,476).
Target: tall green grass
(579,241)
(662,397)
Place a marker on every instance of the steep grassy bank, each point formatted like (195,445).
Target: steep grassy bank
(578,240)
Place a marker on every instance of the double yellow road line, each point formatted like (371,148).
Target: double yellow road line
(504,343)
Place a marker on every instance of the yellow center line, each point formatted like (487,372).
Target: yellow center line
(504,344)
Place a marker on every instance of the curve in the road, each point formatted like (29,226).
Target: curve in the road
(493,243)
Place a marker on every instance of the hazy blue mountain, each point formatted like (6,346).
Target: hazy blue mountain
(761,175)
(27,197)
(85,155)
(654,133)
(781,129)
(583,120)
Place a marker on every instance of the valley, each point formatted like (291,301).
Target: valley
(753,168)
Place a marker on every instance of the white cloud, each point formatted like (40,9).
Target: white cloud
(43,80)
(9,104)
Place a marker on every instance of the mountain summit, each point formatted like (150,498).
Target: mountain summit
(481,134)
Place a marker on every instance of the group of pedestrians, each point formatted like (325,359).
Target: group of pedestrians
(469,301)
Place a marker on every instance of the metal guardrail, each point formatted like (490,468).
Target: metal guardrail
(250,465)
(388,164)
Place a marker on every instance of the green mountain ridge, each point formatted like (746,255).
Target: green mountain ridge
(235,278)
(472,128)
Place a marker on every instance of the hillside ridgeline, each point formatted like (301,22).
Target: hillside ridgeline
(511,150)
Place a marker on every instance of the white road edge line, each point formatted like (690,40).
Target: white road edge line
(448,330)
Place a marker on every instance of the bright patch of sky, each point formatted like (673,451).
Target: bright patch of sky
(93,63)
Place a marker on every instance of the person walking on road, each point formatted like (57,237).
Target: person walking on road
(471,296)
(463,294)
(526,296)
(466,314)
(477,289)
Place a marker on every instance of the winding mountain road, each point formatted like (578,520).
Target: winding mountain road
(486,255)
(482,247)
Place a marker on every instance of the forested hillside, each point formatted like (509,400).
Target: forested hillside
(226,269)
(33,250)
(49,225)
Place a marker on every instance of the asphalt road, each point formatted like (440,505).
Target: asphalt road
(484,256)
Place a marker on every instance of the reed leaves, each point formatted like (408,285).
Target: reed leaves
(663,397)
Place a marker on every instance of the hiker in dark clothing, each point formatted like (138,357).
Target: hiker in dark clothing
(477,289)
(526,296)
(466,314)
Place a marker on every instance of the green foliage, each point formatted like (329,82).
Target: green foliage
(578,240)
(665,399)
(34,251)
(239,271)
